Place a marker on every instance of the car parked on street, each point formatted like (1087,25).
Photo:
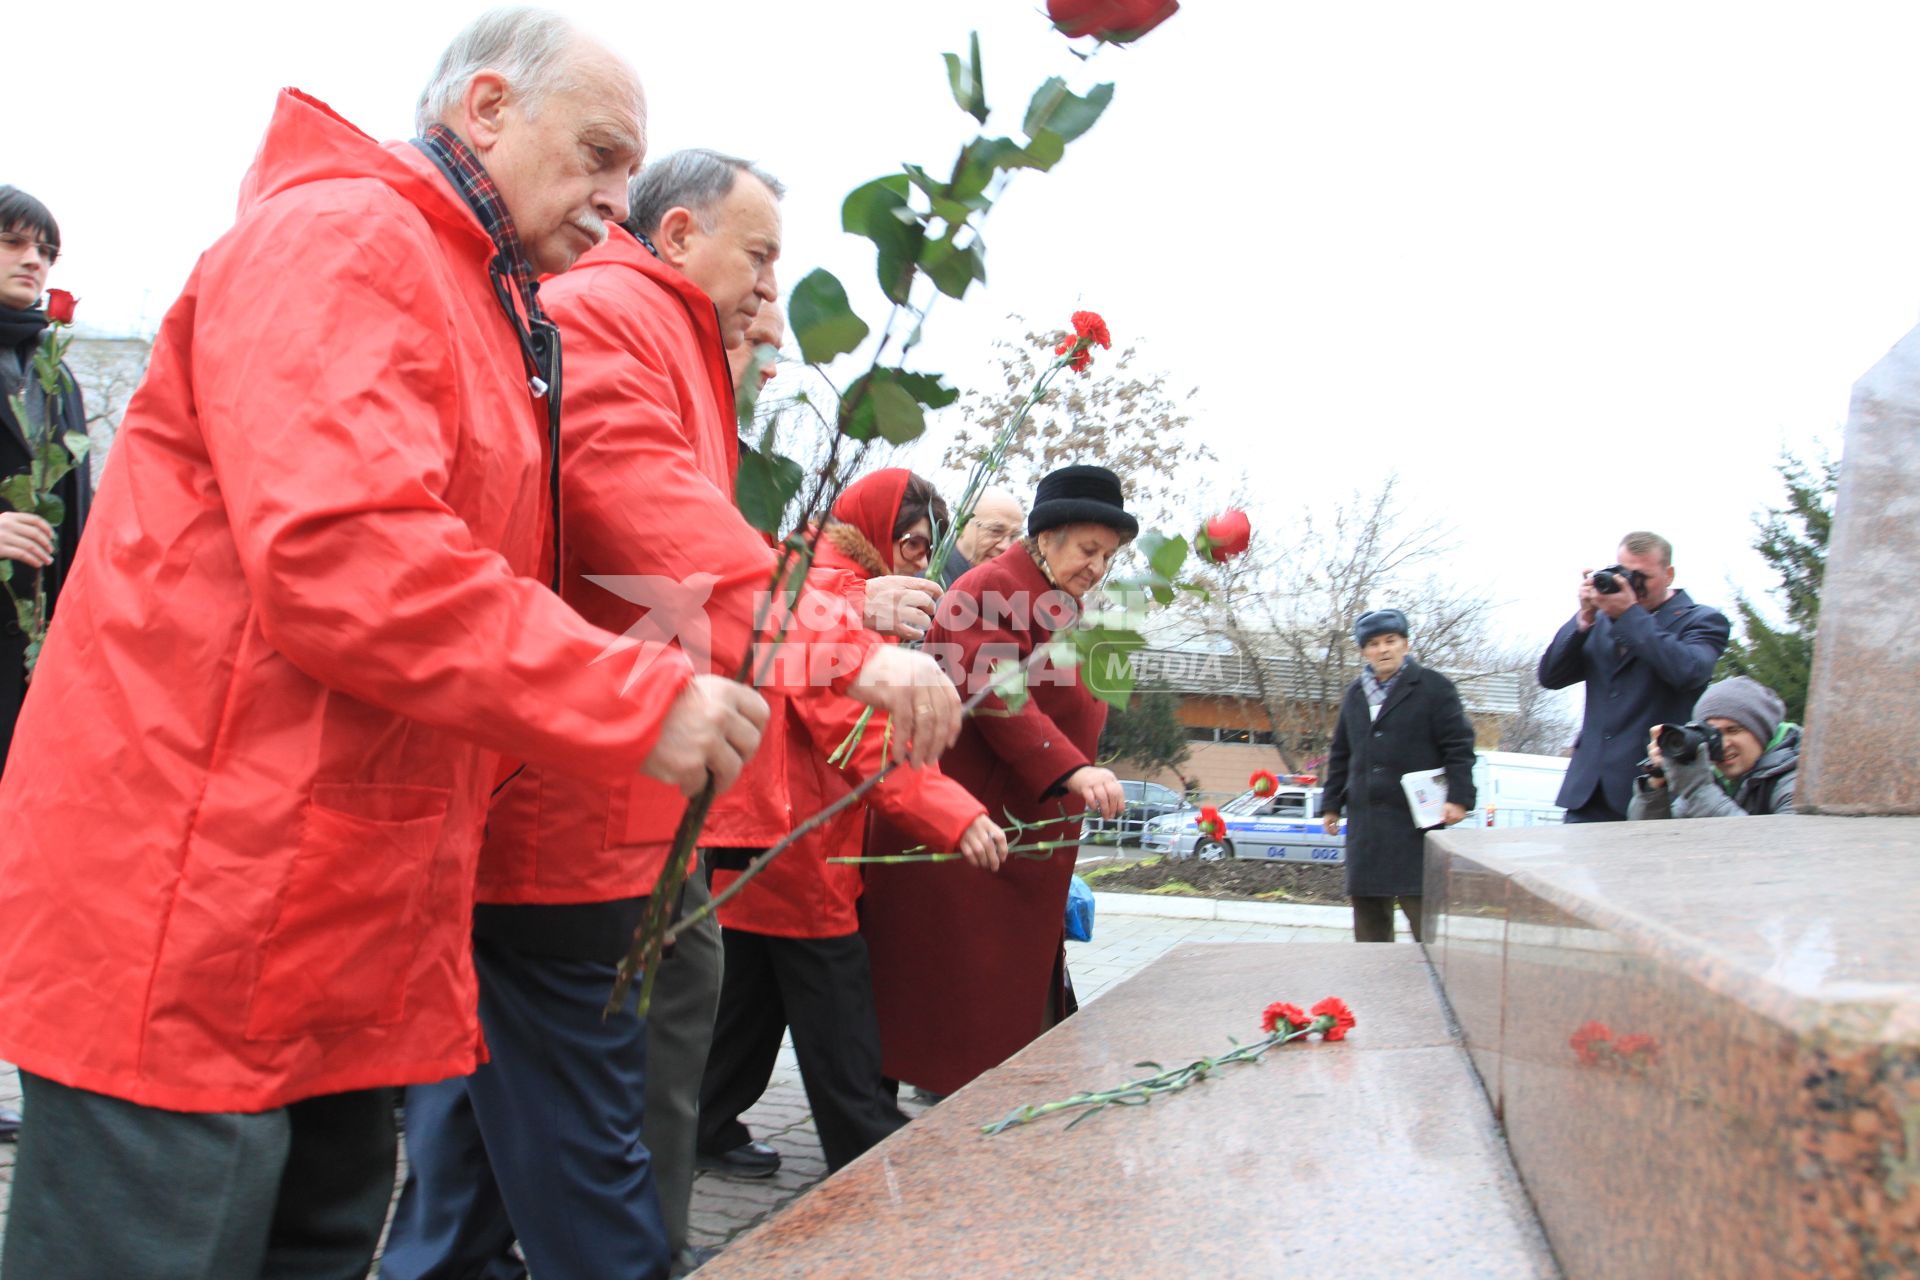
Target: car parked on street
(1146,801)
(1515,790)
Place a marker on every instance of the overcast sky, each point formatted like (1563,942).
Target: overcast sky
(1570,270)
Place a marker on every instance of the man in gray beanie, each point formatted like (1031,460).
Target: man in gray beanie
(1397,718)
(1758,760)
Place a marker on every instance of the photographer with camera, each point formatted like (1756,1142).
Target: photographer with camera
(1645,652)
(1737,727)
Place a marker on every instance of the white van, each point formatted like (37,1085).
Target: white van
(1517,790)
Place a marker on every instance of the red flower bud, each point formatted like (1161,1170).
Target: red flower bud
(1227,534)
(1211,823)
(1263,782)
(60,305)
(1114,21)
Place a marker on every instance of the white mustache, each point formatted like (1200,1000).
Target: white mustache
(593,225)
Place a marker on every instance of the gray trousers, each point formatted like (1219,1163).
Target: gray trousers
(105,1189)
(686,997)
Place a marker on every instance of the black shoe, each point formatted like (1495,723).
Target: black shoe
(748,1160)
(928,1096)
(9,1125)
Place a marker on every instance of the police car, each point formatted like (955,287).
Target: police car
(1284,826)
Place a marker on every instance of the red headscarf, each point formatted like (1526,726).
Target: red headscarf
(871,504)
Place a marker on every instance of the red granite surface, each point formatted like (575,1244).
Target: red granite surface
(1376,1156)
(1769,1124)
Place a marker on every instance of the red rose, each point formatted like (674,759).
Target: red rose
(1211,823)
(1336,1008)
(1227,534)
(1088,329)
(1114,21)
(60,305)
(1263,782)
(1288,1013)
(1588,1042)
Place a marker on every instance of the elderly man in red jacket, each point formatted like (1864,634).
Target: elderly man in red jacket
(550,1128)
(250,779)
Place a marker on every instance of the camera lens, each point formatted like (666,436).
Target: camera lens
(1605,583)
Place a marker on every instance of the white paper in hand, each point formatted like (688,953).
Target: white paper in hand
(1426,796)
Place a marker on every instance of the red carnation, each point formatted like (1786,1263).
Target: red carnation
(1336,1008)
(1588,1041)
(60,305)
(1227,534)
(1211,823)
(1088,329)
(1290,1014)
(1263,782)
(1636,1045)
(1114,21)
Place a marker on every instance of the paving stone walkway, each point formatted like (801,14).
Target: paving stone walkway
(723,1207)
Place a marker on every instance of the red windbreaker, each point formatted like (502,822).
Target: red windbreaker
(654,544)
(244,803)
(800,894)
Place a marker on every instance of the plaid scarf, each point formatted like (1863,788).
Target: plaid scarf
(470,179)
(1375,691)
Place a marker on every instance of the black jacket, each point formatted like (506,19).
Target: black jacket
(1643,670)
(1421,727)
(70,414)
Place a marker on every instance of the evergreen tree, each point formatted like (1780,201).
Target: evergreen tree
(1793,540)
(1148,733)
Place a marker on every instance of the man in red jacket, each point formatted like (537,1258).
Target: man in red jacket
(550,1128)
(308,622)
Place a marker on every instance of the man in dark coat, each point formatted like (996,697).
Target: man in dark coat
(29,243)
(1646,653)
(1397,718)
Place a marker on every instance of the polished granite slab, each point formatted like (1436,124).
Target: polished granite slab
(1703,1037)
(1372,1156)
(1863,706)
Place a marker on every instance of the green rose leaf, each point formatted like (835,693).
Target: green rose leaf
(764,485)
(1045,150)
(1063,654)
(896,414)
(17,492)
(6,571)
(968,82)
(1059,110)
(879,211)
(930,389)
(1010,683)
(1106,663)
(52,508)
(953,270)
(824,323)
(77,444)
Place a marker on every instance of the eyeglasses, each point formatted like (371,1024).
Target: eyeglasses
(14,241)
(992,528)
(914,544)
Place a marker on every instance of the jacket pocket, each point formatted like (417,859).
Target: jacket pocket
(343,939)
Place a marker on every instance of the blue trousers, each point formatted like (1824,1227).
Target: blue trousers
(542,1143)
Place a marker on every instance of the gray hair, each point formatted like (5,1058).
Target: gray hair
(696,180)
(530,48)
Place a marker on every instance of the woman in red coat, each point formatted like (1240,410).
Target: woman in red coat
(968,967)
(794,956)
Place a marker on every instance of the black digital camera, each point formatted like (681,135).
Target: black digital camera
(1681,743)
(1609,580)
